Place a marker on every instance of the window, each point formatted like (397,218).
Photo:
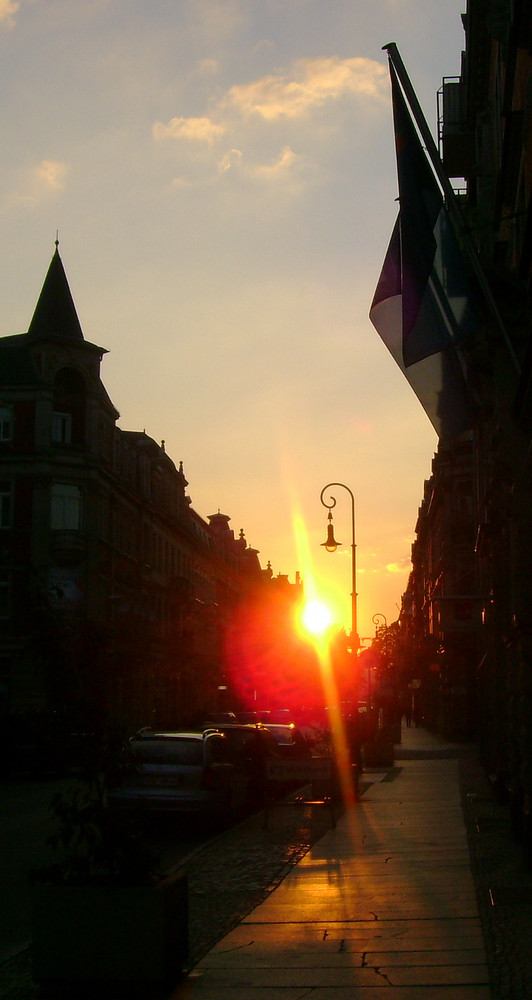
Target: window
(105,439)
(4,592)
(70,401)
(6,423)
(104,514)
(5,505)
(65,507)
(61,428)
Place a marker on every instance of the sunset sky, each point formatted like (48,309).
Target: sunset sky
(221,174)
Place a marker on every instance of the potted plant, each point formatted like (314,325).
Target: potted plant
(104,913)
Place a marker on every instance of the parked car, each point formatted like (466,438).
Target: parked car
(220,717)
(250,747)
(243,738)
(290,740)
(177,772)
(280,716)
(247,717)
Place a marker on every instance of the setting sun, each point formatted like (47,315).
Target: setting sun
(316,617)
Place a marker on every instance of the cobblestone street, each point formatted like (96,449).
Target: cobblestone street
(230,876)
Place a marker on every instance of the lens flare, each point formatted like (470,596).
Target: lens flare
(284,652)
(316,617)
(331,694)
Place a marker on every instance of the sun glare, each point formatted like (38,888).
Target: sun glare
(316,617)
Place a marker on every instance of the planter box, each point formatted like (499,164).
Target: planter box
(91,934)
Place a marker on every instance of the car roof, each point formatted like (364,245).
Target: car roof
(248,726)
(238,727)
(152,735)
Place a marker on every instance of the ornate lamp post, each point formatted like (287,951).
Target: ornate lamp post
(331,545)
(379,625)
(376,619)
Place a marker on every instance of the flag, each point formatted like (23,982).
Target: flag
(423,305)
(436,379)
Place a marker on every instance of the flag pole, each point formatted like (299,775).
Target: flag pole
(450,196)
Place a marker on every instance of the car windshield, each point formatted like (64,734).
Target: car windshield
(189,752)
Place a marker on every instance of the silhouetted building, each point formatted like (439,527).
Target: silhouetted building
(115,595)
(485,132)
(444,607)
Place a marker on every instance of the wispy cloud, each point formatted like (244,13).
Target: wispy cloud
(312,83)
(398,567)
(8,9)
(39,182)
(284,162)
(51,174)
(230,160)
(192,129)
(289,97)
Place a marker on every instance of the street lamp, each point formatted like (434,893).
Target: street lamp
(376,619)
(330,545)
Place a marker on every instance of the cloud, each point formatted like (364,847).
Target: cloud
(8,9)
(47,178)
(247,118)
(313,83)
(230,161)
(233,160)
(398,567)
(207,67)
(181,182)
(51,174)
(192,129)
(284,162)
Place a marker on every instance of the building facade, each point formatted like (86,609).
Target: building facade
(486,145)
(115,595)
(442,609)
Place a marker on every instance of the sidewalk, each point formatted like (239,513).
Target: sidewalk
(385,902)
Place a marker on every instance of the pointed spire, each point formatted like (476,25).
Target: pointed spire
(55,313)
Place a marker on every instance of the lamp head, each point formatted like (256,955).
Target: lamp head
(330,545)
